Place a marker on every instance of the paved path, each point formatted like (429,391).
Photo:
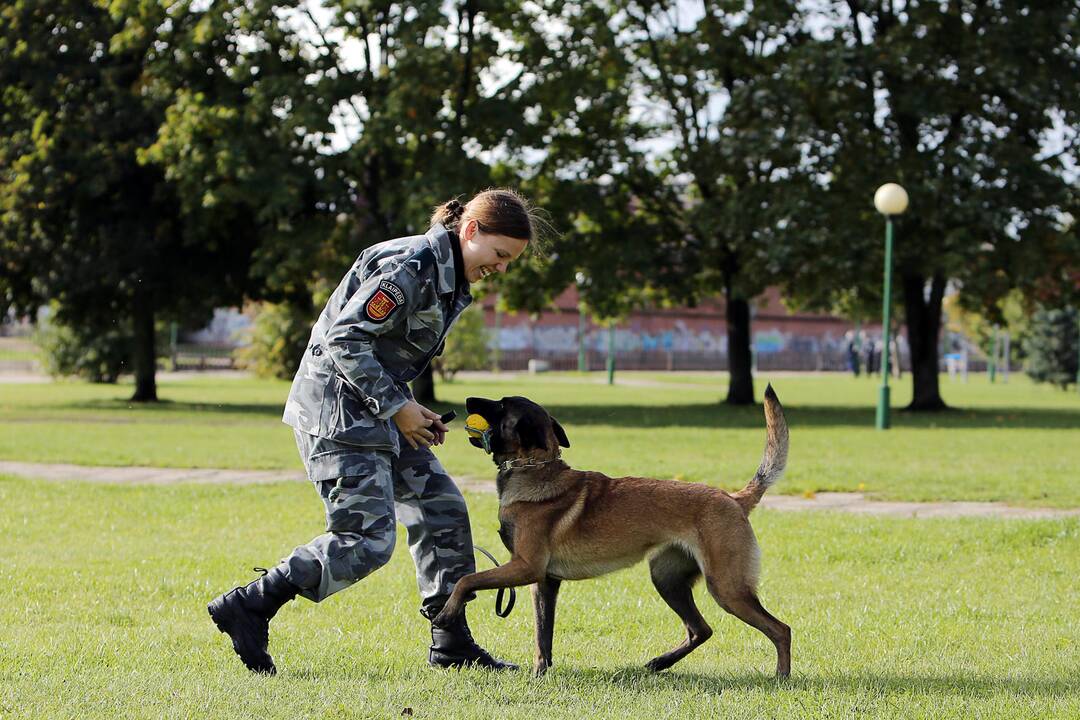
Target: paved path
(835,501)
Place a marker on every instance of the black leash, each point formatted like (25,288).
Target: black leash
(499,609)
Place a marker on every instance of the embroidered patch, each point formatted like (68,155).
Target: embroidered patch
(385,300)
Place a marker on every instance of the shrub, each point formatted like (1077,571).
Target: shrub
(94,354)
(466,345)
(276,340)
(1051,346)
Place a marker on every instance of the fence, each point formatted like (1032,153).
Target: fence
(202,356)
(824,359)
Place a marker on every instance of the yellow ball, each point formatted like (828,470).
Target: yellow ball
(476,425)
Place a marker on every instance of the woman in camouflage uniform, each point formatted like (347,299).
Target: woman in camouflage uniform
(365,441)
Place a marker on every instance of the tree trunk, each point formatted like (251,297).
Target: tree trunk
(145,355)
(423,387)
(741,385)
(923,318)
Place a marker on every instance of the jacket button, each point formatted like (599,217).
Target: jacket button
(316,350)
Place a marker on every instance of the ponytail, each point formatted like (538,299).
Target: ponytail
(449,214)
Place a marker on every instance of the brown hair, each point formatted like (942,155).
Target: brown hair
(498,211)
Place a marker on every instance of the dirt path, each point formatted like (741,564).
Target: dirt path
(835,501)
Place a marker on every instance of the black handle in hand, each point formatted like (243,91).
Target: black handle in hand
(445,419)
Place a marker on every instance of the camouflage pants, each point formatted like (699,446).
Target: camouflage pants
(363,491)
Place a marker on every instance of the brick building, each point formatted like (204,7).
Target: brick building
(672,339)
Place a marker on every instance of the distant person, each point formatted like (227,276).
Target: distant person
(852,352)
(868,350)
(365,441)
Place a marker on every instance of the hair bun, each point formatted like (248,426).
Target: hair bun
(455,209)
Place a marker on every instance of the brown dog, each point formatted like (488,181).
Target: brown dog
(565,524)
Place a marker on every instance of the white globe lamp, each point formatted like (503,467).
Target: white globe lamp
(891,199)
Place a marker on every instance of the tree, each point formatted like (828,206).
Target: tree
(193,154)
(973,107)
(104,209)
(712,81)
(661,158)
(421,106)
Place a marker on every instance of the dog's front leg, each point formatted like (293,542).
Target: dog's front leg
(545,593)
(515,573)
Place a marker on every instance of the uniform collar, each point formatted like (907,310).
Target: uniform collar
(442,242)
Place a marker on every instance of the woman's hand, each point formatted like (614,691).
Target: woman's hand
(419,426)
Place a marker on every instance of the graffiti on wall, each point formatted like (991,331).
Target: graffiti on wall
(564,339)
(560,339)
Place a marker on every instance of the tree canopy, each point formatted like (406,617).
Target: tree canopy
(973,108)
(161,159)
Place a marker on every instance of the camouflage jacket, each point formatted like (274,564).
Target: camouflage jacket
(381,327)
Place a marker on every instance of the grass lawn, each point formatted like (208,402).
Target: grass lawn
(102,615)
(1015,442)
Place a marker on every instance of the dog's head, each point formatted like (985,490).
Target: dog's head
(519,428)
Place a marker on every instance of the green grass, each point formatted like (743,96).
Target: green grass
(1016,443)
(102,615)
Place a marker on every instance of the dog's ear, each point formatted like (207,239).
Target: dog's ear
(529,434)
(560,434)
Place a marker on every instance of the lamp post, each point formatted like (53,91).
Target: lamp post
(611,353)
(890,199)
(582,364)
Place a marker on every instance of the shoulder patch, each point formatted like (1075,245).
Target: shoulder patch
(421,260)
(387,298)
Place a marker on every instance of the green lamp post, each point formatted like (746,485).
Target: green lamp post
(611,353)
(582,363)
(890,199)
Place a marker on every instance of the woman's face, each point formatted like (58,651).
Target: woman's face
(485,254)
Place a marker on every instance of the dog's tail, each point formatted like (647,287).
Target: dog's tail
(775,458)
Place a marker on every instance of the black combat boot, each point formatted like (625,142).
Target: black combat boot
(244,615)
(454,647)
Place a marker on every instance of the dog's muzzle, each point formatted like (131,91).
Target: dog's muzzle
(479,429)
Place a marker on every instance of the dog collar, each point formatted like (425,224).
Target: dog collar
(524,463)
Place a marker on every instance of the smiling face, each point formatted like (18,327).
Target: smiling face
(486,253)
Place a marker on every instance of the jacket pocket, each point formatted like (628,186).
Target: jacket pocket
(425,329)
(346,419)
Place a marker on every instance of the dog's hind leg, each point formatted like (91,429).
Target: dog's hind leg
(744,604)
(545,593)
(673,573)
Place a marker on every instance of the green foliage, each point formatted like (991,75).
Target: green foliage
(1010,314)
(1053,346)
(929,97)
(466,346)
(142,167)
(276,340)
(666,159)
(99,355)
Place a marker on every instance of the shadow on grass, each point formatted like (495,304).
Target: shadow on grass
(722,416)
(918,683)
(170,406)
(696,415)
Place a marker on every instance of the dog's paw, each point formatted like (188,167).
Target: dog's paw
(445,618)
(658,664)
(540,668)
